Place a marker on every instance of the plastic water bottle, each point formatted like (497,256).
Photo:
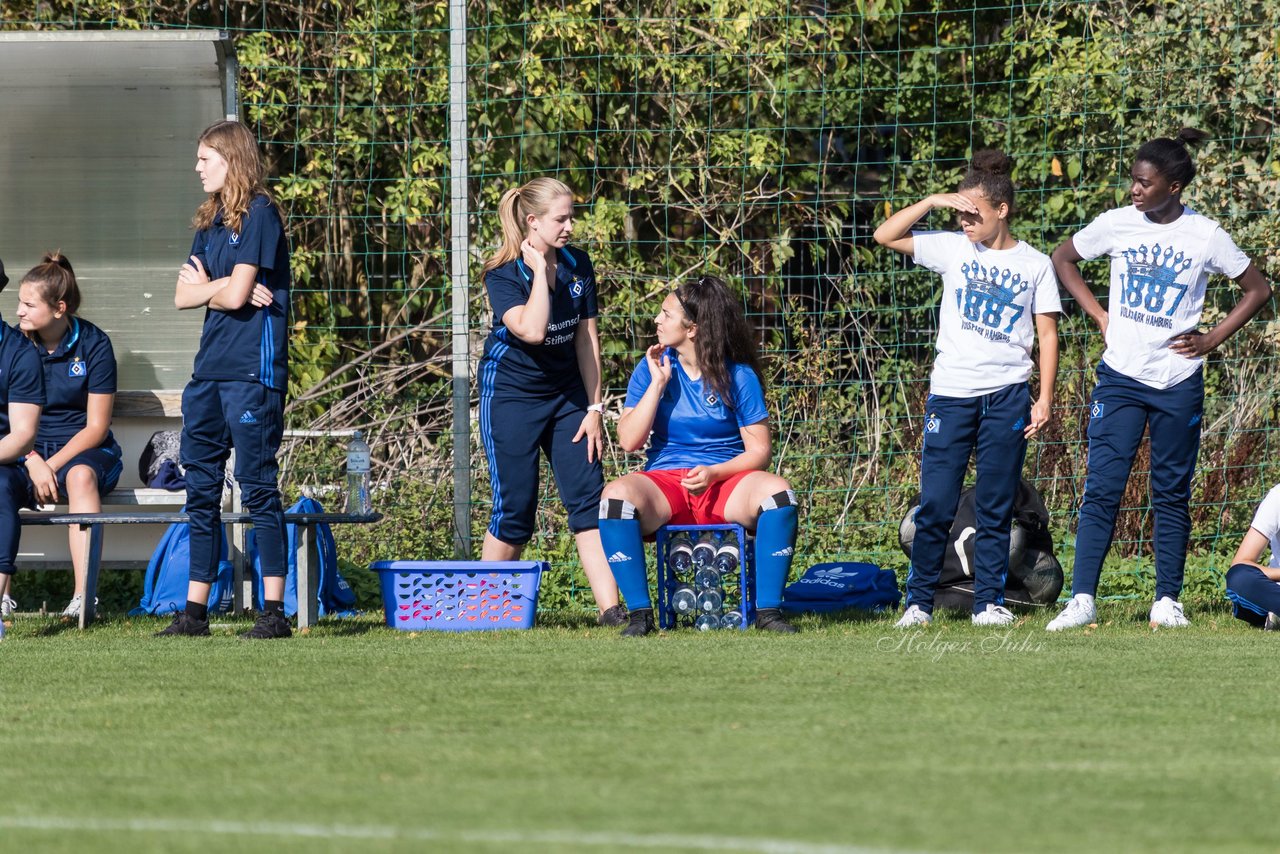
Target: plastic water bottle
(683,600)
(680,554)
(706,578)
(358,476)
(727,556)
(731,620)
(704,551)
(709,601)
(707,623)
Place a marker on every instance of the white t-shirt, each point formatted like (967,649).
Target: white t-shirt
(1158,278)
(1266,521)
(985,327)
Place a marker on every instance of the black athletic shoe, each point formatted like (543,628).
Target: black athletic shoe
(270,624)
(770,620)
(639,623)
(613,617)
(185,624)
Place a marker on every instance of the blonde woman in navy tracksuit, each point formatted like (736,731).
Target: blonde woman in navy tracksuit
(540,384)
(1151,378)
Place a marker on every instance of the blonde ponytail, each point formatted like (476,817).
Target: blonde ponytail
(515,206)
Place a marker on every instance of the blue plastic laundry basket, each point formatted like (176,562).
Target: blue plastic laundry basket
(459,596)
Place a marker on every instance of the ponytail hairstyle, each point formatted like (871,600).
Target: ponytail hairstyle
(1171,157)
(991,171)
(724,337)
(55,281)
(516,206)
(246,175)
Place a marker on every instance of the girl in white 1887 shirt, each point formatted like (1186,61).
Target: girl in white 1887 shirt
(998,294)
(1162,253)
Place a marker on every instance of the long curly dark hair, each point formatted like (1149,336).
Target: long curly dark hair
(724,337)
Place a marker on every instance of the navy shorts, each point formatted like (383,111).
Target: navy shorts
(107,463)
(517,428)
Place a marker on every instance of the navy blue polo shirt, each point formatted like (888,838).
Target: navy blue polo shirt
(83,364)
(554,362)
(249,344)
(21,380)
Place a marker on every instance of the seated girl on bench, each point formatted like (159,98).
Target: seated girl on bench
(1254,589)
(76,456)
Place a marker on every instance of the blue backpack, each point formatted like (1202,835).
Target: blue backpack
(336,595)
(165,586)
(835,586)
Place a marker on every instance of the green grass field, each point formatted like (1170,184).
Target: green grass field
(848,737)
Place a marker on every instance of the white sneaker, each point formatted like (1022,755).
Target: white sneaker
(995,615)
(914,616)
(77,602)
(1080,611)
(1273,622)
(1166,613)
(7,606)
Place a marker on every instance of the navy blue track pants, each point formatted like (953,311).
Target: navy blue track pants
(1252,594)
(216,416)
(1119,412)
(993,424)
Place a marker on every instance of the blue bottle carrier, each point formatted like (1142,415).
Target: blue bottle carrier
(459,596)
(738,590)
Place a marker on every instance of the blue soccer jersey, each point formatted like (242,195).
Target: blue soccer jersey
(249,344)
(21,380)
(693,426)
(553,364)
(83,364)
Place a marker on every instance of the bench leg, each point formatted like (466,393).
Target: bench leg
(241,592)
(92,563)
(308,577)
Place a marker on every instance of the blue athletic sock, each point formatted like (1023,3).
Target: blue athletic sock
(624,547)
(775,547)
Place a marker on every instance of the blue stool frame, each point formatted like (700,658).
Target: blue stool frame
(746,570)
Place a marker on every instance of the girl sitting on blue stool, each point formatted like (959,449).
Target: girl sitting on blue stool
(697,397)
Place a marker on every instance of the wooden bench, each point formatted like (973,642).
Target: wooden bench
(139,510)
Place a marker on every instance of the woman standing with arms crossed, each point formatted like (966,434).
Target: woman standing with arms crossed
(993,287)
(21,397)
(697,398)
(540,384)
(75,455)
(1162,253)
(239,272)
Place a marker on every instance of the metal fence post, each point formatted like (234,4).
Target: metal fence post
(459,211)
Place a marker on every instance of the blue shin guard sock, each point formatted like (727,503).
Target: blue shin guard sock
(775,547)
(624,548)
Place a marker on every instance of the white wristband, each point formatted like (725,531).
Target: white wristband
(596,407)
